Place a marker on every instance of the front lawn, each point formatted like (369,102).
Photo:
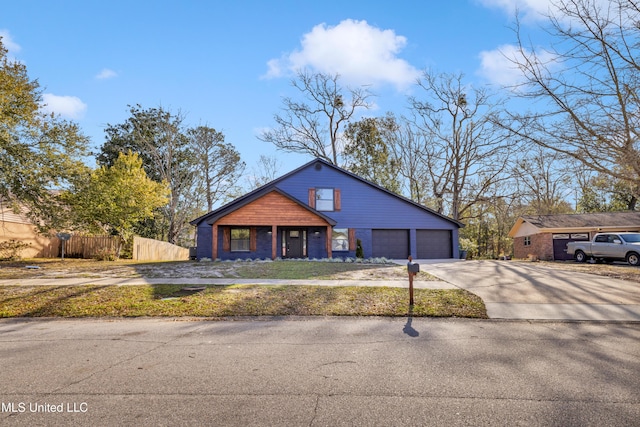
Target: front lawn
(235,300)
(284,270)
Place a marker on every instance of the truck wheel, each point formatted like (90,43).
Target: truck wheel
(580,256)
(633,259)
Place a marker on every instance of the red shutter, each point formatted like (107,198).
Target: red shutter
(336,200)
(312,198)
(226,239)
(352,239)
(253,240)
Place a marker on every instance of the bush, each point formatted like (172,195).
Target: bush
(105,255)
(10,250)
(359,250)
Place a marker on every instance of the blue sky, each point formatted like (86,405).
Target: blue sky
(227,64)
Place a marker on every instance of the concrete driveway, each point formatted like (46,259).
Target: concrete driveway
(523,290)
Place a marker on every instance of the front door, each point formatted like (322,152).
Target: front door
(294,242)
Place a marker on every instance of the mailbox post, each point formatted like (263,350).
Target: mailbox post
(413,268)
(63,238)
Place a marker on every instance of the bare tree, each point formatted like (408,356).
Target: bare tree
(265,171)
(313,124)
(590,81)
(463,150)
(542,180)
(407,149)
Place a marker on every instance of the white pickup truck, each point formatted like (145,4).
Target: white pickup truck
(608,247)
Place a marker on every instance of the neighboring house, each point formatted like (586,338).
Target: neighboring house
(546,236)
(16,226)
(322,211)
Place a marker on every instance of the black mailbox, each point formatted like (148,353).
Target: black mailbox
(413,267)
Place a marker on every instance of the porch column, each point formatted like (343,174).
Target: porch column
(329,233)
(214,242)
(274,241)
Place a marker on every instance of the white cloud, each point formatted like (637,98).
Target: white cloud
(531,10)
(497,66)
(360,53)
(106,74)
(9,44)
(70,107)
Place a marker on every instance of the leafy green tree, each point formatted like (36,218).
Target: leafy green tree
(199,167)
(367,152)
(603,193)
(115,198)
(39,153)
(159,138)
(218,164)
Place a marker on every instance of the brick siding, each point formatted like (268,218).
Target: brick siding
(541,246)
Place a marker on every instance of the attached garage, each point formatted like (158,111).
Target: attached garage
(560,241)
(324,211)
(433,244)
(392,244)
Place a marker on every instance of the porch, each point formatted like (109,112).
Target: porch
(272,225)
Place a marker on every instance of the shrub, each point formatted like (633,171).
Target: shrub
(105,255)
(10,250)
(359,250)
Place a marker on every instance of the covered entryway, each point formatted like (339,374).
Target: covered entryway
(433,244)
(274,209)
(294,243)
(392,244)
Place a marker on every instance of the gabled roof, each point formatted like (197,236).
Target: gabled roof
(248,198)
(587,221)
(269,186)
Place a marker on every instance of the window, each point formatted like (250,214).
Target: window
(240,239)
(631,238)
(580,236)
(324,199)
(340,239)
(527,241)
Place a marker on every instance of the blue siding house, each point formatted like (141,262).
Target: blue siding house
(321,211)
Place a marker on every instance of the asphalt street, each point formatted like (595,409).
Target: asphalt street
(319,372)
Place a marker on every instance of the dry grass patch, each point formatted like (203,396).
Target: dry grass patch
(236,300)
(69,268)
(615,271)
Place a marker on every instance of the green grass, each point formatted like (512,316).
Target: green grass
(235,300)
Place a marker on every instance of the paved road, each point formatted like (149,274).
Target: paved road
(520,290)
(319,372)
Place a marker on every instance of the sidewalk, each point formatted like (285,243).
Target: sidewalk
(192,281)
